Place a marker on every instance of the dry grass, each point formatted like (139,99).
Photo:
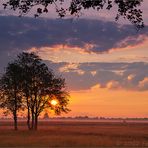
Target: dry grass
(75,134)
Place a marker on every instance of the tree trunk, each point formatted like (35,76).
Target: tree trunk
(28,119)
(15,121)
(36,122)
(28,113)
(15,112)
(33,122)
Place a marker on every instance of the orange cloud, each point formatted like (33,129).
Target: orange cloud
(67,53)
(113,84)
(68,67)
(95,87)
(130,77)
(143,84)
(136,42)
(93,73)
(64,47)
(71,67)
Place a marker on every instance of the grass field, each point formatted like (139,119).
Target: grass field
(75,134)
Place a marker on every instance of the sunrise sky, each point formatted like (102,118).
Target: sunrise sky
(105,63)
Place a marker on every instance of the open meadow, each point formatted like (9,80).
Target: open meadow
(75,134)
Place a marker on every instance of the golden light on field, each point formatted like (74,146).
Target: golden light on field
(54,102)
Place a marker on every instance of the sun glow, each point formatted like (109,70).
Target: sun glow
(54,102)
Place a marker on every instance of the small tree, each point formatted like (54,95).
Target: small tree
(10,97)
(40,86)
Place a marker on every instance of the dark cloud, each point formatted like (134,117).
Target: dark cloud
(18,34)
(24,33)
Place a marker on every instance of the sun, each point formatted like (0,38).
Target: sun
(54,102)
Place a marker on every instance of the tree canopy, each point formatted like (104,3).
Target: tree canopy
(128,9)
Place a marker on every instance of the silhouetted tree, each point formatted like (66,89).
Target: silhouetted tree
(126,8)
(26,62)
(10,96)
(28,83)
(40,86)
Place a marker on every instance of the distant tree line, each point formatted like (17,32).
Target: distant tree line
(28,84)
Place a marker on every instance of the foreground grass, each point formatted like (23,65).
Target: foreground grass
(75,134)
